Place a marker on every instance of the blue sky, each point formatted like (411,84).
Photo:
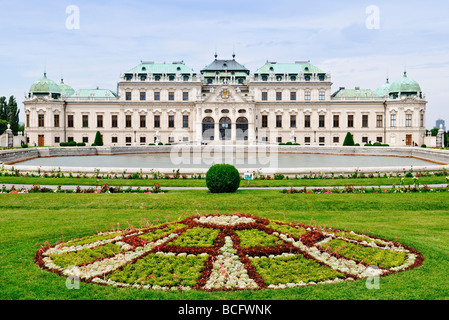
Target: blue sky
(115,35)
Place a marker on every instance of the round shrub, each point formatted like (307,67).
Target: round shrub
(222,178)
(423,146)
(71,144)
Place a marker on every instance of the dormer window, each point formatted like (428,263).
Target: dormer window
(306,68)
(144,69)
(271,69)
(178,68)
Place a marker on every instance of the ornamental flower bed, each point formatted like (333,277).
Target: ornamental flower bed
(226,252)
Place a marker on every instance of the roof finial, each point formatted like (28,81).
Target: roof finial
(216,55)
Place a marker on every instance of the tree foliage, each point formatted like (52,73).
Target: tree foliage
(349,140)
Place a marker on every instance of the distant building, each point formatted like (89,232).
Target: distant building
(279,102)
(440,124)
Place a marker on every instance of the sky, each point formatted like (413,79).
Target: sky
(359,43)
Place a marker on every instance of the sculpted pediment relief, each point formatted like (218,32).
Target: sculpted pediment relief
(225,94)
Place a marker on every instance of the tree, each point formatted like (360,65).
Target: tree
(3,109)
(3,126)
(98,140)
(349,140)
(13,115)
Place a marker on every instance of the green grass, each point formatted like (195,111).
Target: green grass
(202,182)
(419,220)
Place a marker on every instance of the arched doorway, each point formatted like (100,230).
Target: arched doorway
(208,129)
(225,128)
(242,128)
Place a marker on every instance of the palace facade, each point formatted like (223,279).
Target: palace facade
(279,102)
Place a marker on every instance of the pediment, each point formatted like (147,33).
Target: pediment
(225,94)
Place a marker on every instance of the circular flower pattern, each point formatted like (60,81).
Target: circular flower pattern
(226,252)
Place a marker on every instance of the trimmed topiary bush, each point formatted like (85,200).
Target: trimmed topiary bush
(222,178)
(71,144)
(81,144)
(423,146)
(98,139)
(349,140)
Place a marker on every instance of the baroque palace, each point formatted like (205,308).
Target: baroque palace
(279,102)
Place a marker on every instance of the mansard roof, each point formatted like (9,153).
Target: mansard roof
(299,67)
(161,68)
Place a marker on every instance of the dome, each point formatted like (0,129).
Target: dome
(405,85)
(383,90)
(45,86)
(66,90)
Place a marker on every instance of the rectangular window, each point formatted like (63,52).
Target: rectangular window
(114,121)
(307,121)
(28,121)
(393,121)
(322,140)
(292,121)
(264,96)
(185,121)
(157,121)
(143,140)
(279,139)
(336,121)
(350,121)
(41,121)
(85,121)
(264,121)
(143,121)
(143,96)
(128,96)
(171,139)
(114,139)
(307,96)
(128,121)
(421,120)
(364,139)
(379,121)
(321,121)
(57,139)
(70,139)
(171,121)
(379,139)
(278,121)
(56,120)
(157,96)
(185,96)
(128,139)
(99,121)
(171,96)
(278,96)
(293,96)
(307,140)
(336,139)
(86,140)
(70,121)
(365,121)
(322,95)
(408,120)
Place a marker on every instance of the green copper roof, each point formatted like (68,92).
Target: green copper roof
(161,68)
(45,86)
(405,85)
(66,90)
(95,93)
(289,68)
(383,90)
(354,93)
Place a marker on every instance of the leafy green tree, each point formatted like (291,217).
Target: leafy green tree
(98,139)
(349,140)
(13,115)
(3,126)
(3,109)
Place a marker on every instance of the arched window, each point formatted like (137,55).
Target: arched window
(225,128)
(242,128)
(208,129)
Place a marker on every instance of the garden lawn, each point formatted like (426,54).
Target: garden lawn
(317,182)
(419,220)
